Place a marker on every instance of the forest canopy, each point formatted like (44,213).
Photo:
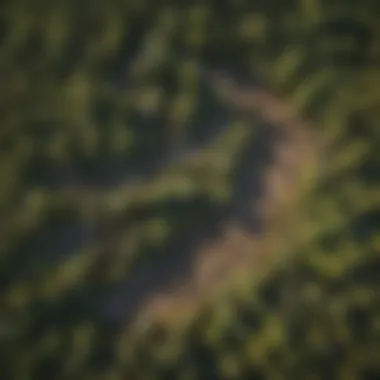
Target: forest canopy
(118,156)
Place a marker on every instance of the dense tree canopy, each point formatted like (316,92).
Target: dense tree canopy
(121,156)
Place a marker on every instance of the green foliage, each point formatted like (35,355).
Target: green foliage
(73,86)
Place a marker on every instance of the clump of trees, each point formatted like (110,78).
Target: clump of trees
(118,157)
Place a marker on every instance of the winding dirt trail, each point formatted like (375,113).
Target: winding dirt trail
(238,256)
